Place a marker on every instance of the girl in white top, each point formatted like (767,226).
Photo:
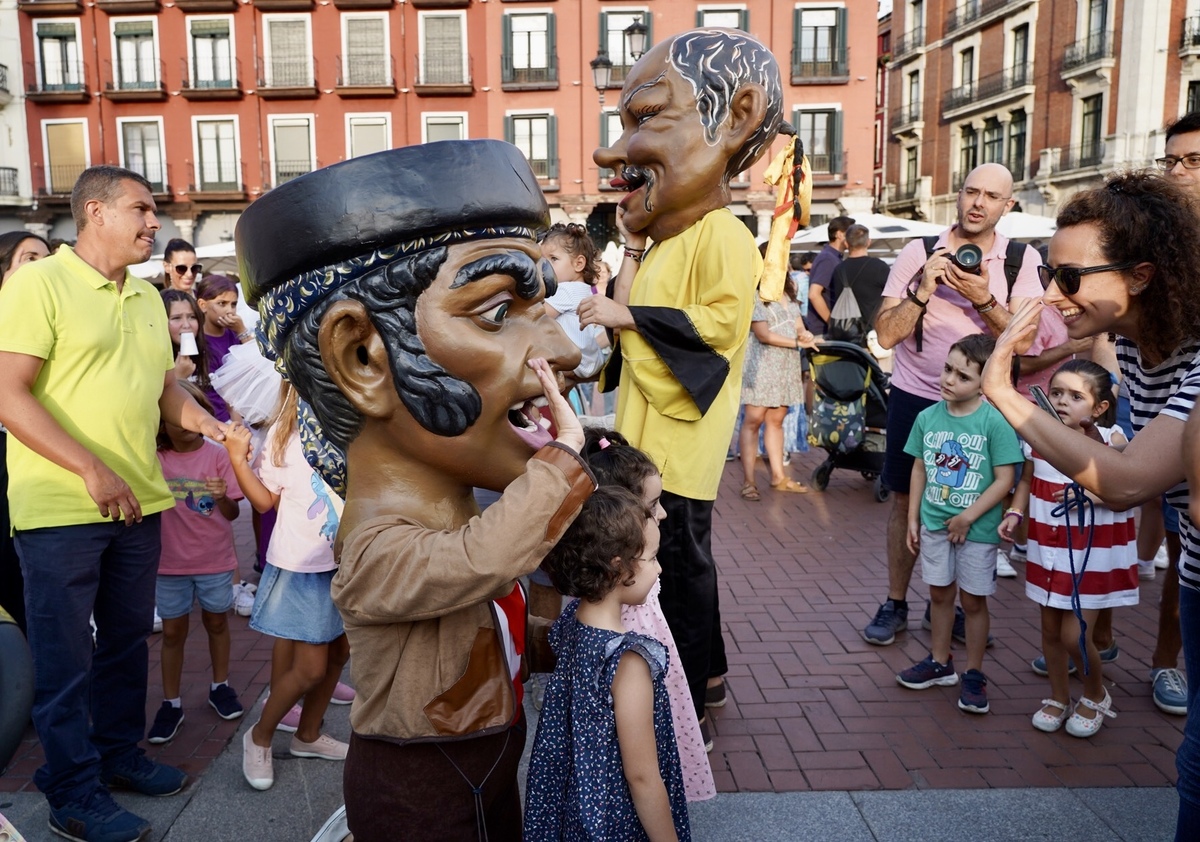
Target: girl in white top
(293,602)
(574,256)
(1081,393)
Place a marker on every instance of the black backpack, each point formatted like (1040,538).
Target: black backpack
(846,320)
(1014,257)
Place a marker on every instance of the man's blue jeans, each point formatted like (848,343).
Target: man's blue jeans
(72,573)
(1187,759)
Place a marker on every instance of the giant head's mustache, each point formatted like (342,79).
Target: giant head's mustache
(634,177)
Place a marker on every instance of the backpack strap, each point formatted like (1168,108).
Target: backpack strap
(930,244)
(1014,258)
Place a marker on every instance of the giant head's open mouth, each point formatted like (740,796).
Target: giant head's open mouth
(528,423)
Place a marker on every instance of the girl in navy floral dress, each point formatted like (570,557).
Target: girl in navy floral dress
(605,764)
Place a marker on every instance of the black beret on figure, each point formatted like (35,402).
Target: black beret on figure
(399,196)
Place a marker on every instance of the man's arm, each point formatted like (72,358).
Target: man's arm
(177,407)
(33,426)
(816,301)
(1052,356)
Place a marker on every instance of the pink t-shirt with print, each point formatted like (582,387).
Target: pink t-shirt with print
(309,511)
(196,538)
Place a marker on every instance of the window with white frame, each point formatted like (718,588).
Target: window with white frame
(536,135)
(289,52)
(610,133)
(1091,144)
(968,154)
(821,132)
(444,127)
(993,141)
(366,134)
(912,174)
(612,39)
(365,51)
(58,56)
(291,147)
(529,48)
(217,155)
(142,151)
(1016,144)
(212,53)
(136,55)
(443,49)
(726,18)
(819,48)
(66,153)
(1020,55)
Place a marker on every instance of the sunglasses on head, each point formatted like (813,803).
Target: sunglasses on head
(194,269)
(1069,277)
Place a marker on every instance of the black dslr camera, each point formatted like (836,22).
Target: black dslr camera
(969,258)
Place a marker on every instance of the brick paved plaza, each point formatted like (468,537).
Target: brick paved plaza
(812,706)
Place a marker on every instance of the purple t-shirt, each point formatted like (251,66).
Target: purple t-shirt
(218,347)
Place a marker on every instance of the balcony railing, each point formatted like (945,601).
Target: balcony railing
(133,78)
(1017,168)
(1089,154)
(287,170)
(967,13)
(1096,47)
(62,178)
(8,181)
(156,173)
(533,77)
(364,71)
(908,114)
(433,69)
(211,77)
(544,167)
(1190,40)
(992,85)
(907,192)
(4,78)
(805,69)
(286,72)
(908,43)
(825,164)
(67,77)
(221,176)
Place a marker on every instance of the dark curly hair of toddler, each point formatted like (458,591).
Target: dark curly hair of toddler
(599,550)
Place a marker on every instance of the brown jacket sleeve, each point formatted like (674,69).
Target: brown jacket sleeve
(393,570)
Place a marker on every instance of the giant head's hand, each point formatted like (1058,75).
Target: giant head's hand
(697,109)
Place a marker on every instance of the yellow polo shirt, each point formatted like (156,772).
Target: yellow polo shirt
(106,354)
(709,272)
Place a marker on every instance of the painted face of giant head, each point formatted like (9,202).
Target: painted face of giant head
(696,110)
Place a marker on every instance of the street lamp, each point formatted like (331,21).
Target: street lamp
(601,73)
(635,39)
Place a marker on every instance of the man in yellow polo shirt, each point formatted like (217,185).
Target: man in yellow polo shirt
(85,374)
(698,109)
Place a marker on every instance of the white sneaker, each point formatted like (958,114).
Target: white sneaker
(1160,558)
(1146,569)
(157,623)
(243,598)
(1003,569)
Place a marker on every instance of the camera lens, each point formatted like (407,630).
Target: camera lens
(969,256)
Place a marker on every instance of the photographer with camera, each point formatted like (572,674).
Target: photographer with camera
(932,299)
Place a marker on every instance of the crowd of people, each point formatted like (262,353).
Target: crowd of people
(1031,405)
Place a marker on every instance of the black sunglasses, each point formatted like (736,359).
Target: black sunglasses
(183,270)
(1068,277)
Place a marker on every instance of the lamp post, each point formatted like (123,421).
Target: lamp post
(635,39)
(601,73)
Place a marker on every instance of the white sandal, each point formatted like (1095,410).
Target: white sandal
(1078,726)
(1046,722)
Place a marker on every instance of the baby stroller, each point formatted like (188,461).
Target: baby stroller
(849,414)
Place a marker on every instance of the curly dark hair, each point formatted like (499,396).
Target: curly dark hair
(1144,218)
(599,551)
(575,240)
(615,461)
(172,296)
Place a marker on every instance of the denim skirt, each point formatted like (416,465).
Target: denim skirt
(296,606)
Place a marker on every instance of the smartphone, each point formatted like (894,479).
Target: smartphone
(1039,395)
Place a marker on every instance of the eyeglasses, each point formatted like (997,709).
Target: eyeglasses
(194,269)
(1167,163)
(1068,277)
(974,193)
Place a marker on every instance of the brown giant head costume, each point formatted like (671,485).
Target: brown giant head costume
(401,293)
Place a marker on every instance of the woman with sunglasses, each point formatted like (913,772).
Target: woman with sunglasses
(180,267)
(1124,261)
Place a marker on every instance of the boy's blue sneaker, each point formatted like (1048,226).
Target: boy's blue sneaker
(973,696)
(166,724)
(97,818)
(225,702)
(889,619)
(959,632)
(1107,656)
(138,774)
(1170,691)
(928,673)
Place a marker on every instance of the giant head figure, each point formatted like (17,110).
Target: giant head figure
(697,109)
(402,294)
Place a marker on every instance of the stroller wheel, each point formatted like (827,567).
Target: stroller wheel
(820,476)
(881,493)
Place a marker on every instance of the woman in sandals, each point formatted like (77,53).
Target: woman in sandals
(770,384)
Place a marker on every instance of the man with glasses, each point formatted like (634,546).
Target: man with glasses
(929,303)
(180,269)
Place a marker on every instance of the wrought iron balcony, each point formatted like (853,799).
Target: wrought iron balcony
(8,181)
(4,79)
(443,75)
(965,14)
(1089,154)
(1097,46)
(365,75)
(286,170)
(528,78)
(907,115)
(989,87)
(807,70)
(286,77)
(62,178)
(908,43)
(134,79)
(1189,41)
(212,80)
(825,164)
(216,180)
(61,82)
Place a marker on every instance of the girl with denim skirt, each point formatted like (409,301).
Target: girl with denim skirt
(293,603)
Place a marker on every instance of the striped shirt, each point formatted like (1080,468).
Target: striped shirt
(1170,389)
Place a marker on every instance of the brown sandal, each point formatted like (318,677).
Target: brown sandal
(750,492)
(790,485)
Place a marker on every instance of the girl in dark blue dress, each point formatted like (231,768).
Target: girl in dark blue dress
(605,764)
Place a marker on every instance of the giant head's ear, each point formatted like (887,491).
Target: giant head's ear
(356,359)
(747,111)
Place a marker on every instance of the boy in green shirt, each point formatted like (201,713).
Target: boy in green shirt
(965,454)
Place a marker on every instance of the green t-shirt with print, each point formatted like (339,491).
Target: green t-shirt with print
(961,453)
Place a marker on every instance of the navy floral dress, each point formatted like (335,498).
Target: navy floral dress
(576,790)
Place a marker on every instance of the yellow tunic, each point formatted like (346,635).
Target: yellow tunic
(709,273)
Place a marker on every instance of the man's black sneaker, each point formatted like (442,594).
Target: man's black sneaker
(97,818)
(889,619)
